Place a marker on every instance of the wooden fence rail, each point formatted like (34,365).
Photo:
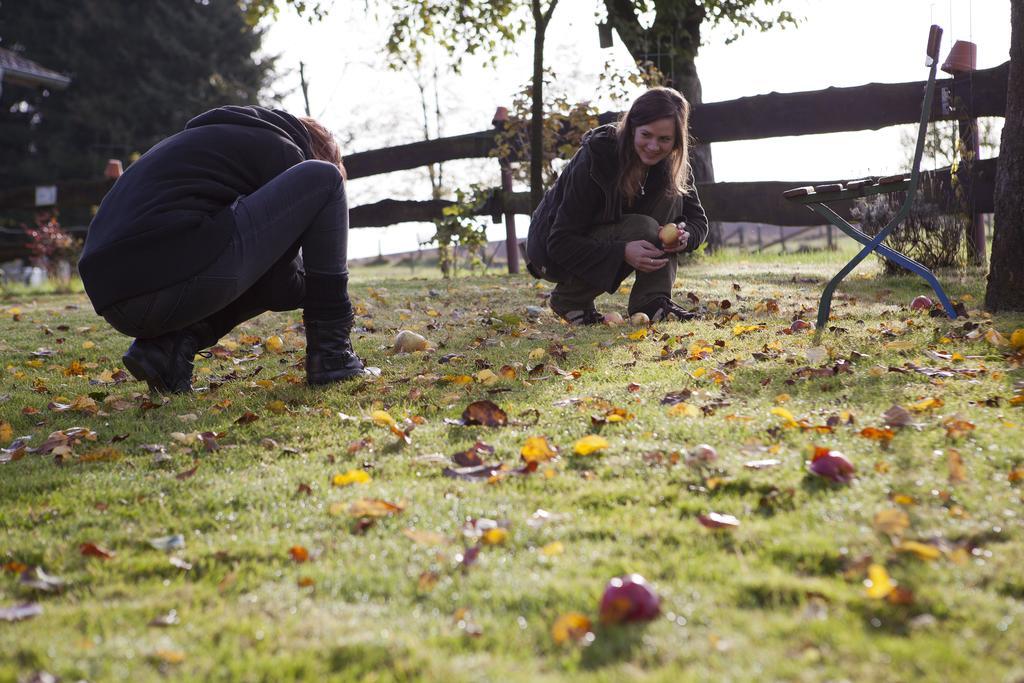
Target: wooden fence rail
(871,106)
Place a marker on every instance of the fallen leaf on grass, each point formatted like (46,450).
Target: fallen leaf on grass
(169,618)
(926,404)
(891,521)
(715,520)
(187,474)
(684,410)
(485,413)
(897,416)
(572,627)
(922,551)
(537,449)
(878,583)
(248,417)
(496,536)
(957,471)
(592,443)
(882,435)
(762,464)
(298,553)
(93,550)
(350,477)
(35,577)
(373,508)
(471,457)
(552,549)
(21,612)
(957,427)
(169,656)
(168,543)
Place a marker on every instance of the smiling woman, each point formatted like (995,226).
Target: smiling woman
(624,204)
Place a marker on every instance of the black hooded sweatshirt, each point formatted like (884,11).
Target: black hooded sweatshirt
(586,195)
(167,217)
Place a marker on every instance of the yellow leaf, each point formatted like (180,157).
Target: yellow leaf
(878,582)
(458,379)
(537,449)
(782,398)
(424,537)
(34,363)
(993,337)
(6,432)
(537,354)
(684,410)
(787,417)
(350,477)
(591,443)
(275,344)
(926,404)
(170,656)
(486,377)
(552,549)
(382,418)
(737,330)
(699,372)
(639,334)
(265,383)
(88,344)
(892,521)
(277,407)
(1017,338)
(923,551)
(373,507)
(495,536)
(571,627)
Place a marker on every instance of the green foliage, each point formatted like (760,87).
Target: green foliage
(461,227)
(257,10)
(139,72)
(460,29)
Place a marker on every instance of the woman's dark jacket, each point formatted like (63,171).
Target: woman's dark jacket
(168,216)
(585,196)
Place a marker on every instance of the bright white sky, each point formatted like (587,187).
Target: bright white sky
(838,43)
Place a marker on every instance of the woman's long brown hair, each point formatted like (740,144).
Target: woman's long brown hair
(656,103)
(324,146)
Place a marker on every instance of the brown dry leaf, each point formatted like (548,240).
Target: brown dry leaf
(187,474)
(248,417)
(882,435)
(891,521)
(298,553)
(957,471)
(373,508)
(957,427)
(6,432)
(897,416)
(484,413)
(354,447)
(93,550)
(472,456)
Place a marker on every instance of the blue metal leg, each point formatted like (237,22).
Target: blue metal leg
(872,244)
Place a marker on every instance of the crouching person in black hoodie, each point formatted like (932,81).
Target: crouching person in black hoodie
(204,231)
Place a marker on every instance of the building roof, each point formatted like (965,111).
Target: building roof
(20,71)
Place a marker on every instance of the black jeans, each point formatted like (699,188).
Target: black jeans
(260,270)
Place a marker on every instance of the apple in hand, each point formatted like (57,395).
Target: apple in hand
(669,235)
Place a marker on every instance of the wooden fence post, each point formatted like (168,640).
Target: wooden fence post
(511,241)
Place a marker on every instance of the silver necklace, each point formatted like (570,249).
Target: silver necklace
(644,181)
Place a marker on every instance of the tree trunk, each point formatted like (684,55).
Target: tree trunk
(1006,276)
(671,44)
(541,18)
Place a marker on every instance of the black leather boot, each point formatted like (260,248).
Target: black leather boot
(329,354)
(165,363)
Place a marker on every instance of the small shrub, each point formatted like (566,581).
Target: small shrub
(53,249)
(930,235)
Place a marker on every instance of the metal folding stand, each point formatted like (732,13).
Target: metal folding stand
(818,197)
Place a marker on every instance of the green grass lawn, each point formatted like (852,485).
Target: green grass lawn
(780,597)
